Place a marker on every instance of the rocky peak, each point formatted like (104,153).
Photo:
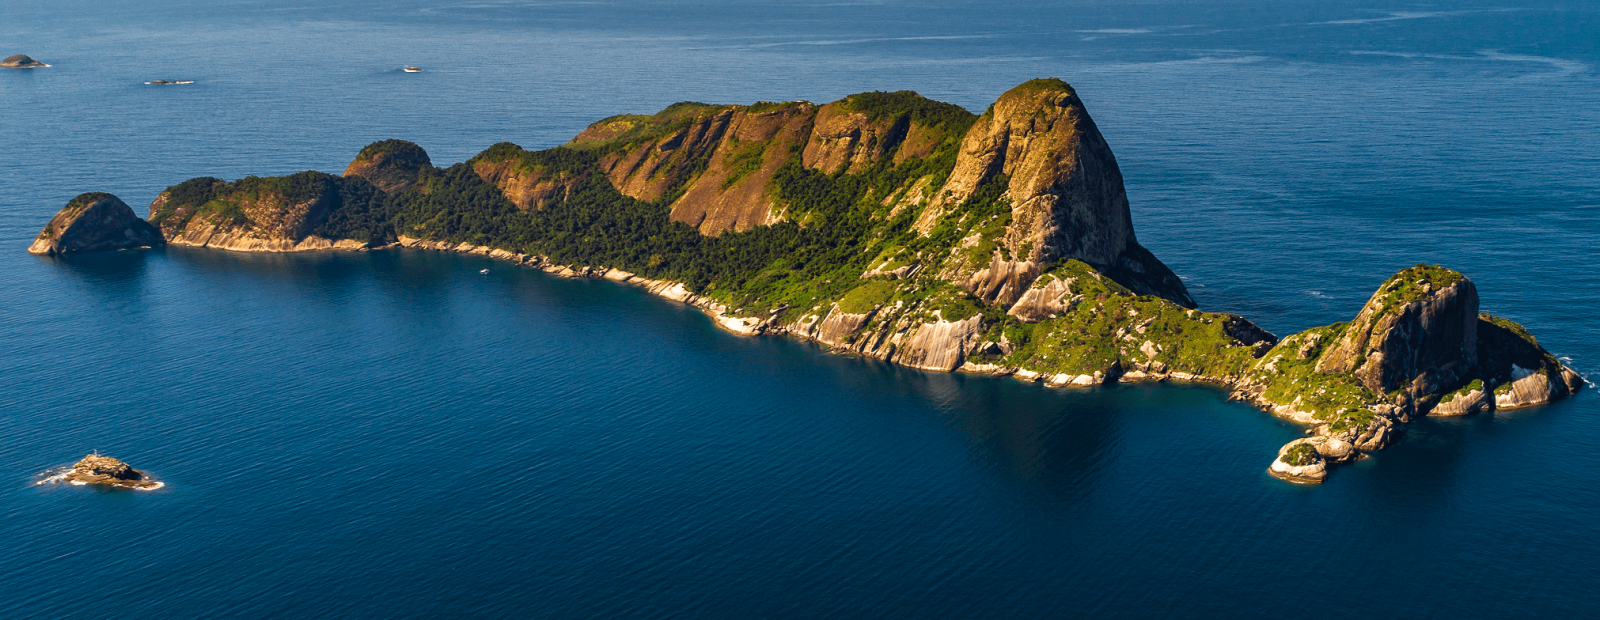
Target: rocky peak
(1064,185)
(21,61)
(861,130)
(95,221)
(531,180)
(391,165)
(1418,333)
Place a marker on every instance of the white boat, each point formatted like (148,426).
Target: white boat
(484,271)
(412,70)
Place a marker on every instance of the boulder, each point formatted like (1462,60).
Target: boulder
(391,165)
(92,222)
(1474,398)
(104,470)
(21,61)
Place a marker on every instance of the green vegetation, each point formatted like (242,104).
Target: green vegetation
(1413,284)
(1476,385)
(864,298)
(742,160)
(1300,455)
(950,118)
(1290,379)
(393,148)
(1511,326)
(626,131)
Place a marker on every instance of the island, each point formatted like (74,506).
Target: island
(899,228)
(107,471)
(21,61)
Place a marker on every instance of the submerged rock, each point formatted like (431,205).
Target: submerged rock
(21,61)
(92,222)
(104,470)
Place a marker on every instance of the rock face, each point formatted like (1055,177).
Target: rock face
(1300,462)
(104,470)
(256,214)
(1418,333)
(21,61)
(1418,347)
(391,165)
(531,180)
(92,222)
(1066,192)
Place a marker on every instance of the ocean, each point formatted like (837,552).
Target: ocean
(394,434)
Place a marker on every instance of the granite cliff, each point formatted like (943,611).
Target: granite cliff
(903,229)
(93,222)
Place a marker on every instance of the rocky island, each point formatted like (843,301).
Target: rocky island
(107,471)
(899,228)
(21,61)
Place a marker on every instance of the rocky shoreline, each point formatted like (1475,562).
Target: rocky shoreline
(889,226)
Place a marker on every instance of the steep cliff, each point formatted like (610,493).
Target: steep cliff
(1418,347)
(1063,184)
(306,211)
(92,222)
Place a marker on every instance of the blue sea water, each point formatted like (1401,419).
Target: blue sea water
(393,434)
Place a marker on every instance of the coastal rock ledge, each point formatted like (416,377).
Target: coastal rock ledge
(104,470)
(95,221)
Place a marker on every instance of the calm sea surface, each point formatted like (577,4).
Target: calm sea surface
(394,435)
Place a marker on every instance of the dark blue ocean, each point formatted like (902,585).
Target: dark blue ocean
(395,435)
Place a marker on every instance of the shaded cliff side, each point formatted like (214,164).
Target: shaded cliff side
(91,222)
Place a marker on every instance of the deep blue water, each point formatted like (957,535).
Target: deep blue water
(393,434)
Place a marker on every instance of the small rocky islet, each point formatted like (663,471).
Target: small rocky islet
(21,61)
(98,470)
(890,226)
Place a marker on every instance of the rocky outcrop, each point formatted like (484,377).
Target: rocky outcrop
(732,193)
(92,222)
(1300,462)
(256,214)
(1066,192)
(21,61)
(1418,347)
(1520,373)
(1048,297)
(532,180)
(1417,334)
(107,471)
(390,165)
(939,346)
(644,156)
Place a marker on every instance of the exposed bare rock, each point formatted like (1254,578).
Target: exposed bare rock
(92,222)
(256,214)
(940,346)
(21,61)
(1469,400)
(1521,373)
(104,470)
(1418,333)
(1066,192)
(839,326)
(671,146)
(1003,282)
(1299,461)
(732,193)
(391,165)
(1048,297)
(524,179)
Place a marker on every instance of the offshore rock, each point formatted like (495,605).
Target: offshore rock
(1299,462)
(1521,372)
(391,165)
(104,470)
(21,61)
(92,222)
